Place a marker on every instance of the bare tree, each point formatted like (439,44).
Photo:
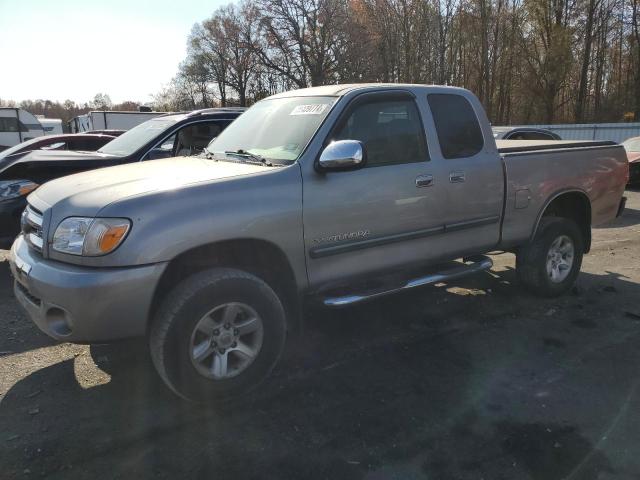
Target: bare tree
(301,39)
(528,60)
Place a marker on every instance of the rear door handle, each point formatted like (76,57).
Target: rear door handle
(457,177)
(424,181)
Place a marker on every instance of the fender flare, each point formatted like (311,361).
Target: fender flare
(550,200)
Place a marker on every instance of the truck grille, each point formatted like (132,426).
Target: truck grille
(31,224)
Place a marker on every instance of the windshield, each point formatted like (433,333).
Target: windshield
(632,145)
(277,129)
(19,147)
(132,140)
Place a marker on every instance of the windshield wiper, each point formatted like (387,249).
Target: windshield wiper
(255,158)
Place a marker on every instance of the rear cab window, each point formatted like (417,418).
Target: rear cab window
(457,125)
(530,136)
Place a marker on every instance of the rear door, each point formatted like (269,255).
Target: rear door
(472,176)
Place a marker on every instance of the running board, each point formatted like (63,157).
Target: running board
(474,265)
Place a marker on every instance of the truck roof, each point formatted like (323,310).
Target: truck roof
(342,89)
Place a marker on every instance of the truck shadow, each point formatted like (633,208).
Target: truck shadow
(630,217)
(19,335)
(426,382)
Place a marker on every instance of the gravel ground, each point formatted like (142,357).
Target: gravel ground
(471,380)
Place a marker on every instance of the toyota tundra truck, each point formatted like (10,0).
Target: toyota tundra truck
(337,194)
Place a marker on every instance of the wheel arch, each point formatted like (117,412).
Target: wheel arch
(259,257)
(570,203)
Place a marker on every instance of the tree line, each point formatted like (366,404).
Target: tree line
(528,61)
(69,109)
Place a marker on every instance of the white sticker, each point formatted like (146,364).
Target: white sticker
(314,109)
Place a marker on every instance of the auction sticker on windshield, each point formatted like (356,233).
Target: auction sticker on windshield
(313,109)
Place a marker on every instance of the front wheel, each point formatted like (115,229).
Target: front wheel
(550,264)
(217,335)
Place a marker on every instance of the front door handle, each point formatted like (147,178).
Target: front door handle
(457,177)
(424,181)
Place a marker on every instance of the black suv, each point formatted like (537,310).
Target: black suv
(171,135)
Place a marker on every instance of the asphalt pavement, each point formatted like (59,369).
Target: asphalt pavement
(474,379)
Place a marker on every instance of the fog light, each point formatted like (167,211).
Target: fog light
(58,322)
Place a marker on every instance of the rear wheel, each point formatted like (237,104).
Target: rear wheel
(217,335)
(550,264)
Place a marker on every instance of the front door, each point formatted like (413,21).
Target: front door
(387,214)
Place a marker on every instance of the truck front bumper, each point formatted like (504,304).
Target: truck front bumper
(80,304)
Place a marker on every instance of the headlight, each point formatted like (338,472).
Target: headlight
(16,188)
(90,237)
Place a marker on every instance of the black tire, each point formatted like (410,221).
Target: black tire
(171,329)
(531,260)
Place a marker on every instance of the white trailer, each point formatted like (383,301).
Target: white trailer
(105,120)
(17,126)
(51,126)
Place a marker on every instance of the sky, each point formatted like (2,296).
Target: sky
(73,49)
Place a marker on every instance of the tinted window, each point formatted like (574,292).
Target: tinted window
(391,132)
(87,144)
(457,126)
(8,124)
(530,136)
(193,138)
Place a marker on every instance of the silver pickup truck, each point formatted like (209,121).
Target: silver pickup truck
(339,194)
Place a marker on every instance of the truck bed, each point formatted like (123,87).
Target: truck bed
(518,146)
(538,170)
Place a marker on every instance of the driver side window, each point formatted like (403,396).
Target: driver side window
(391,131)
(188,141)
(193,138)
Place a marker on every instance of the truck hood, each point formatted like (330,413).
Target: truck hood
(51,156)
(88,192)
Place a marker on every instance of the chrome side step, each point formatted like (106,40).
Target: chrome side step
(475,265)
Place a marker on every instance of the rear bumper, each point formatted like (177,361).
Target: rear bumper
(79,304)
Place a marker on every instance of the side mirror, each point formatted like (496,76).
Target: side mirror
(342,155)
